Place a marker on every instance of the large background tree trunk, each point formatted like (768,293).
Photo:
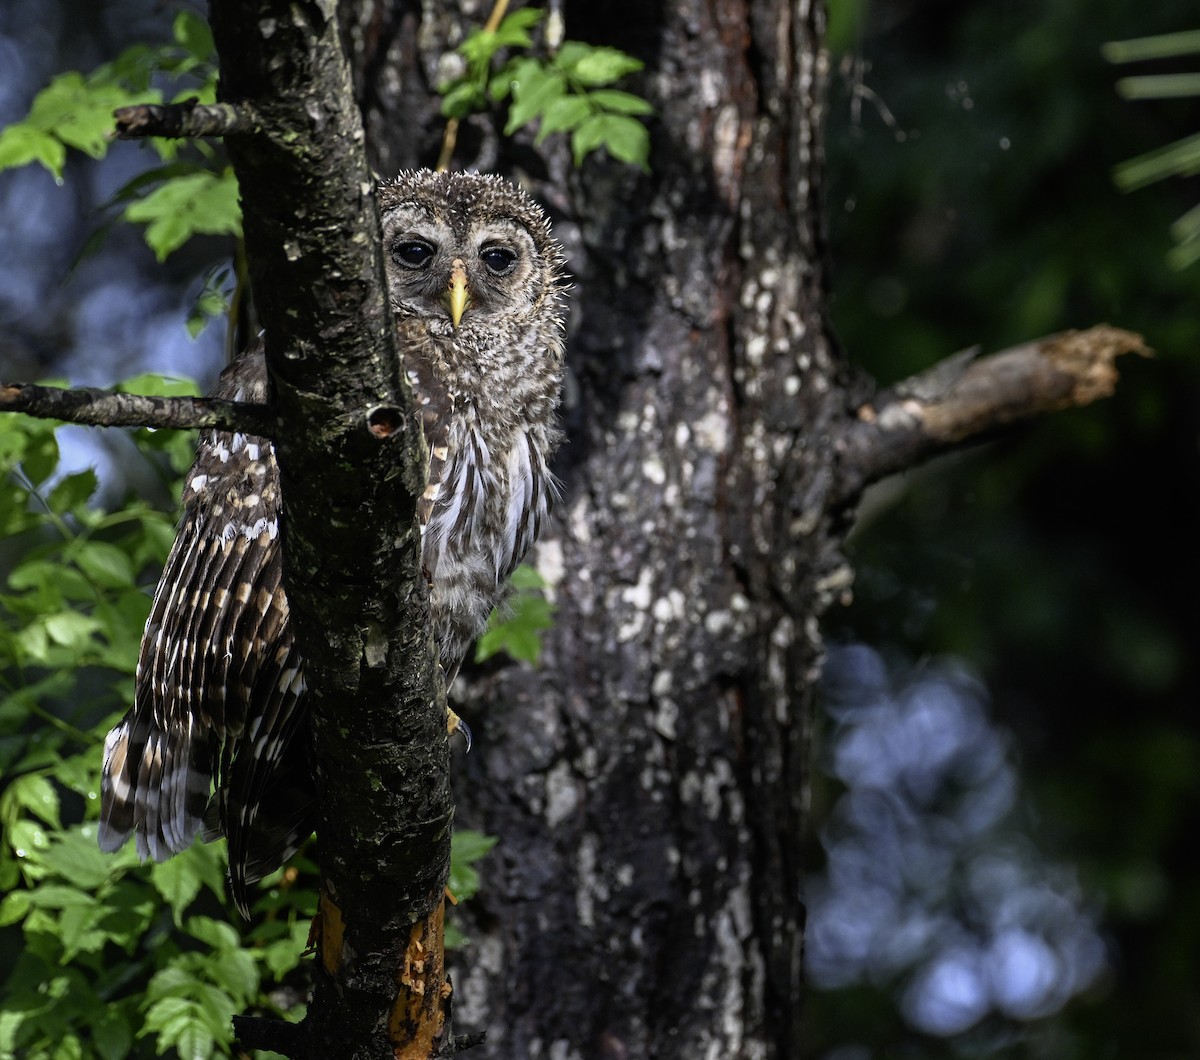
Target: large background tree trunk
(648,781)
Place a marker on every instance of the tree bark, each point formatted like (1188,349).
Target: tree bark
(351,466)
(648,782)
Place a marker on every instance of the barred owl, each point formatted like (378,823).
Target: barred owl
(217,740)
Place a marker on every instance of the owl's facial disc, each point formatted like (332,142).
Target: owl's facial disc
(459,273)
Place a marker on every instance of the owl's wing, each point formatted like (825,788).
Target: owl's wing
(219,680)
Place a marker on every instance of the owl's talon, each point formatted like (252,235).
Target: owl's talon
(455,724)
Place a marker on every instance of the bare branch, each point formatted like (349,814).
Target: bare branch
(191,118)
(967,397)
(103,408)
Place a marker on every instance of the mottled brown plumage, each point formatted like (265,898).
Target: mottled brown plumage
(216,740)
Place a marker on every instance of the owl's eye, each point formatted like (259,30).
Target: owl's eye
(499,260)
(413,253)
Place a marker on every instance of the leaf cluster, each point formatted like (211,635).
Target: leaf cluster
(101,956)
(192,192)
(568,93)
(516,628)
(105,957)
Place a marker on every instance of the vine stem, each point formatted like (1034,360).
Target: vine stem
(450,137)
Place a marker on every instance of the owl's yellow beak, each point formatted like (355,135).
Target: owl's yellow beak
(457,297)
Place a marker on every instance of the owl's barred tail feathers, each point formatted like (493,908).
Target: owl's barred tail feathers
(155,786)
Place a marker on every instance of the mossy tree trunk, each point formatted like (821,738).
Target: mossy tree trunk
(648,780)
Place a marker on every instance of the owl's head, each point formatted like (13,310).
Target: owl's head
(465,253)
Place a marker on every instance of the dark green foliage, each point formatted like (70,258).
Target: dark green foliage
(105,957)
(972,201)
(567,93)
(191,192)
(466,848)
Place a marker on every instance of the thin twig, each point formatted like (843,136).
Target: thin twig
(450,136)
(449,140)
(103,408)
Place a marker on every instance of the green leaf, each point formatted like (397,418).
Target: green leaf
(58,896)
(73,491)
(178,882)
(524,18)
(152,384)
(619,102)
(168,1011)
(40,458)
(235,971)
(76,930)
(78,111)
(200,203)
(461,98)
(191,31)
(468,845)
(105,564)
(532,93)
(80,773)
(184,1024)
(527,577)
(218,935)
(193,1042)
(512,72)
(563,115)
(513,31)
(68,1047)
(466,848)
(21,144)
(1186,233)
(454,938)
(595,66)
(70,629)
(33,644)
(112,1034)
(14,906)
(133,68)
(27,839)
(129,907)
(34,793)
(284,954)
(517,631)
(625,138)
(479,48)
(52,582)
(75,856)
(210,303)
(208,863)
(570,53)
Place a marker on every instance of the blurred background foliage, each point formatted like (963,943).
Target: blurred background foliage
(1006,861)
(972,149)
